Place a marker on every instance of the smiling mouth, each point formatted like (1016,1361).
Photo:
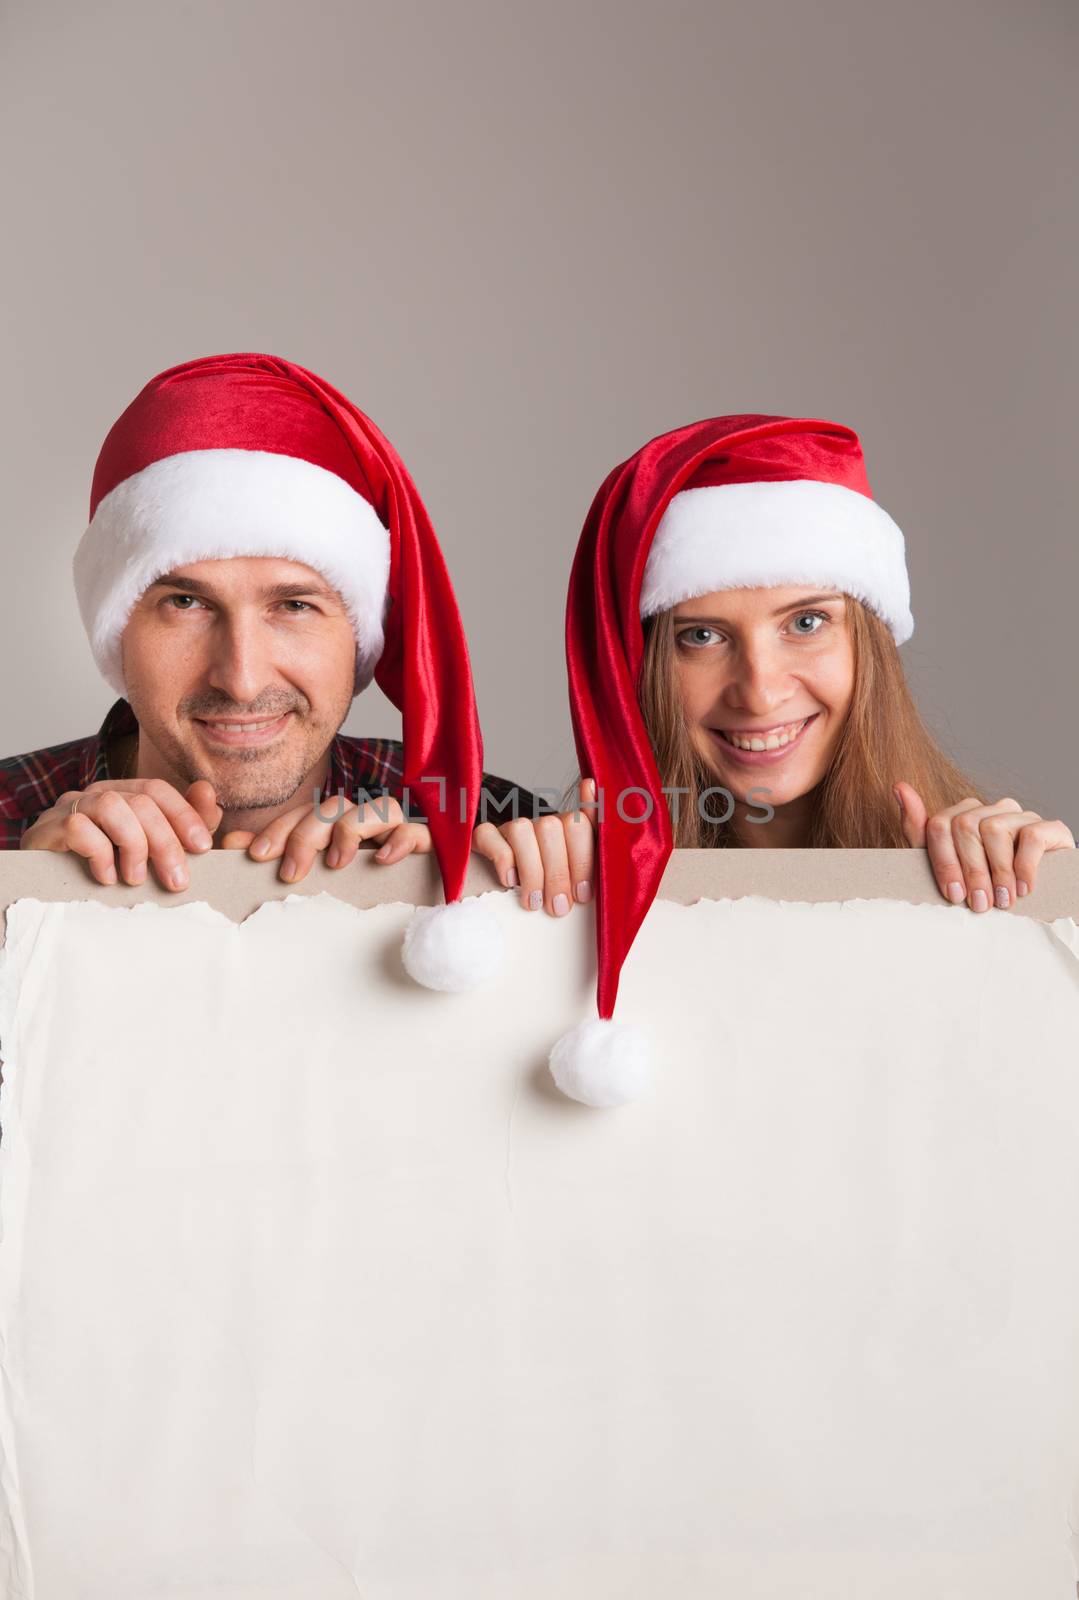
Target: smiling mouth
(243,733)
(769,746)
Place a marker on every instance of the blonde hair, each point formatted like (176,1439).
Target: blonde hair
(883,740)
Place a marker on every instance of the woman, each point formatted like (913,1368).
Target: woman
(760,663)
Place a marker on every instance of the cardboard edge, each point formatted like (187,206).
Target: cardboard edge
(230,882)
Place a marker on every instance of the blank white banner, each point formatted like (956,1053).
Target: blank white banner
(313,1286)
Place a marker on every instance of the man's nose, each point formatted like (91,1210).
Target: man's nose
(241,661)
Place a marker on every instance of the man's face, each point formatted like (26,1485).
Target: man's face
(250,637)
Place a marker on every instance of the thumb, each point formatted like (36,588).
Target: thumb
(913,812)
(235,839)
(202,796)
(587,800)
(408,838)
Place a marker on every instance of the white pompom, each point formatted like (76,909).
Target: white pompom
(601,1063)
(454,947)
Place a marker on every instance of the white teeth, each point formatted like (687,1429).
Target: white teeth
(246,727)
(775,741)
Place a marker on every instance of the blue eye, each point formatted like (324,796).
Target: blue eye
(702,637)
(808,634)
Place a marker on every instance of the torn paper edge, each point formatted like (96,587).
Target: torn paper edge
(1064,929)
(17,1573)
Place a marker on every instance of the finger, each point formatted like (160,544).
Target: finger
(344,842)
(192,826)
(115,814)
(269,843)
(408,838)
(340,836)
(235,839)
(201,796)
(970,847)
(377,816)
(521,837)
(580,837)
(81,835)
(913,814)
(556,881)
(1000,832)
(308,836)
(296,836)
(586,803)
(1035,838)
(487,841)
(159,842)
(374,819)
(943,852)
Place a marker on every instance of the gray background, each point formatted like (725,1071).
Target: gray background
(526,238)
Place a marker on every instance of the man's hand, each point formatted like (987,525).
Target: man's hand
(143,818)
(301,834)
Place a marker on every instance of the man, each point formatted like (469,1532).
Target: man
(256,553)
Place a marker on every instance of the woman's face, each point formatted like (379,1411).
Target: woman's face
(774,667)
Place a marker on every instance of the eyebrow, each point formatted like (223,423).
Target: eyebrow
(803,600)
(273,591)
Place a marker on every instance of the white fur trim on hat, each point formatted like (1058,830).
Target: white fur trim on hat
(761,535)
(208,505)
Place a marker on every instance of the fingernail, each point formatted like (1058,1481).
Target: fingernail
(511,878)
(288,870)
(333,856)
(200,839)
(1002,897)
(110,874)
(382,852)
(560,905)
(138,872)
(898,800)
(178,878)
(584,892)
(260,847)
(956,892)
(979,900)
(1021,886)
(535,900)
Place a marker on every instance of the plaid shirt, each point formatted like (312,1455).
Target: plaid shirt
(32,783)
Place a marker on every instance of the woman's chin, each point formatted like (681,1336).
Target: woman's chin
(777,788)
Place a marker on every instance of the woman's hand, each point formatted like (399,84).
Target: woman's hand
(301,834)
(984,854)
(551,859)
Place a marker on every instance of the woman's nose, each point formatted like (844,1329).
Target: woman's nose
(757,679)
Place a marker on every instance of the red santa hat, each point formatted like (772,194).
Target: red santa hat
(749,501)
(250,455)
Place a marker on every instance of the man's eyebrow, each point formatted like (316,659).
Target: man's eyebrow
(273,591)
(803,600)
